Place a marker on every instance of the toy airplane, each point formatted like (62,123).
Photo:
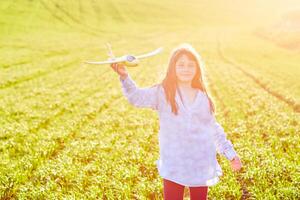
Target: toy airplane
(128,60)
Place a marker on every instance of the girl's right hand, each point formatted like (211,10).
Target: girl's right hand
(120,69)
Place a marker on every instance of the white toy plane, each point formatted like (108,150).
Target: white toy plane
(128,60)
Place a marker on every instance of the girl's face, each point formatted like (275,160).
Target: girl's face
(185,68)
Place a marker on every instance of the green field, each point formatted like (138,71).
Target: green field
(67,131)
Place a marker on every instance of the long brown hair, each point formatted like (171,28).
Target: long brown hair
(169,83)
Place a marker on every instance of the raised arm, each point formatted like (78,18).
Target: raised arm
(146,97)
(223,145)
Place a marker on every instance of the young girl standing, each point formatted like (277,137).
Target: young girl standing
(189,135)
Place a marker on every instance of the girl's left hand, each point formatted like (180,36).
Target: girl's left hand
(236,164)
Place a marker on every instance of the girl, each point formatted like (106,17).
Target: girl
(189,135)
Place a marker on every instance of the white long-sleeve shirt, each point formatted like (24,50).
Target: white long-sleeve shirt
(189,141)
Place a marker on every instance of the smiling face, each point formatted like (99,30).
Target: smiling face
(185,68)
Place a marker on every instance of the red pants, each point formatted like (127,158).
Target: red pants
(175,191)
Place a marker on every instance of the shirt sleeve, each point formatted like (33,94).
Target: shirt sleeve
(223,145)
(146,97)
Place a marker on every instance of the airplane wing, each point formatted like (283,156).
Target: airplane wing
(116,60)
(150,54)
